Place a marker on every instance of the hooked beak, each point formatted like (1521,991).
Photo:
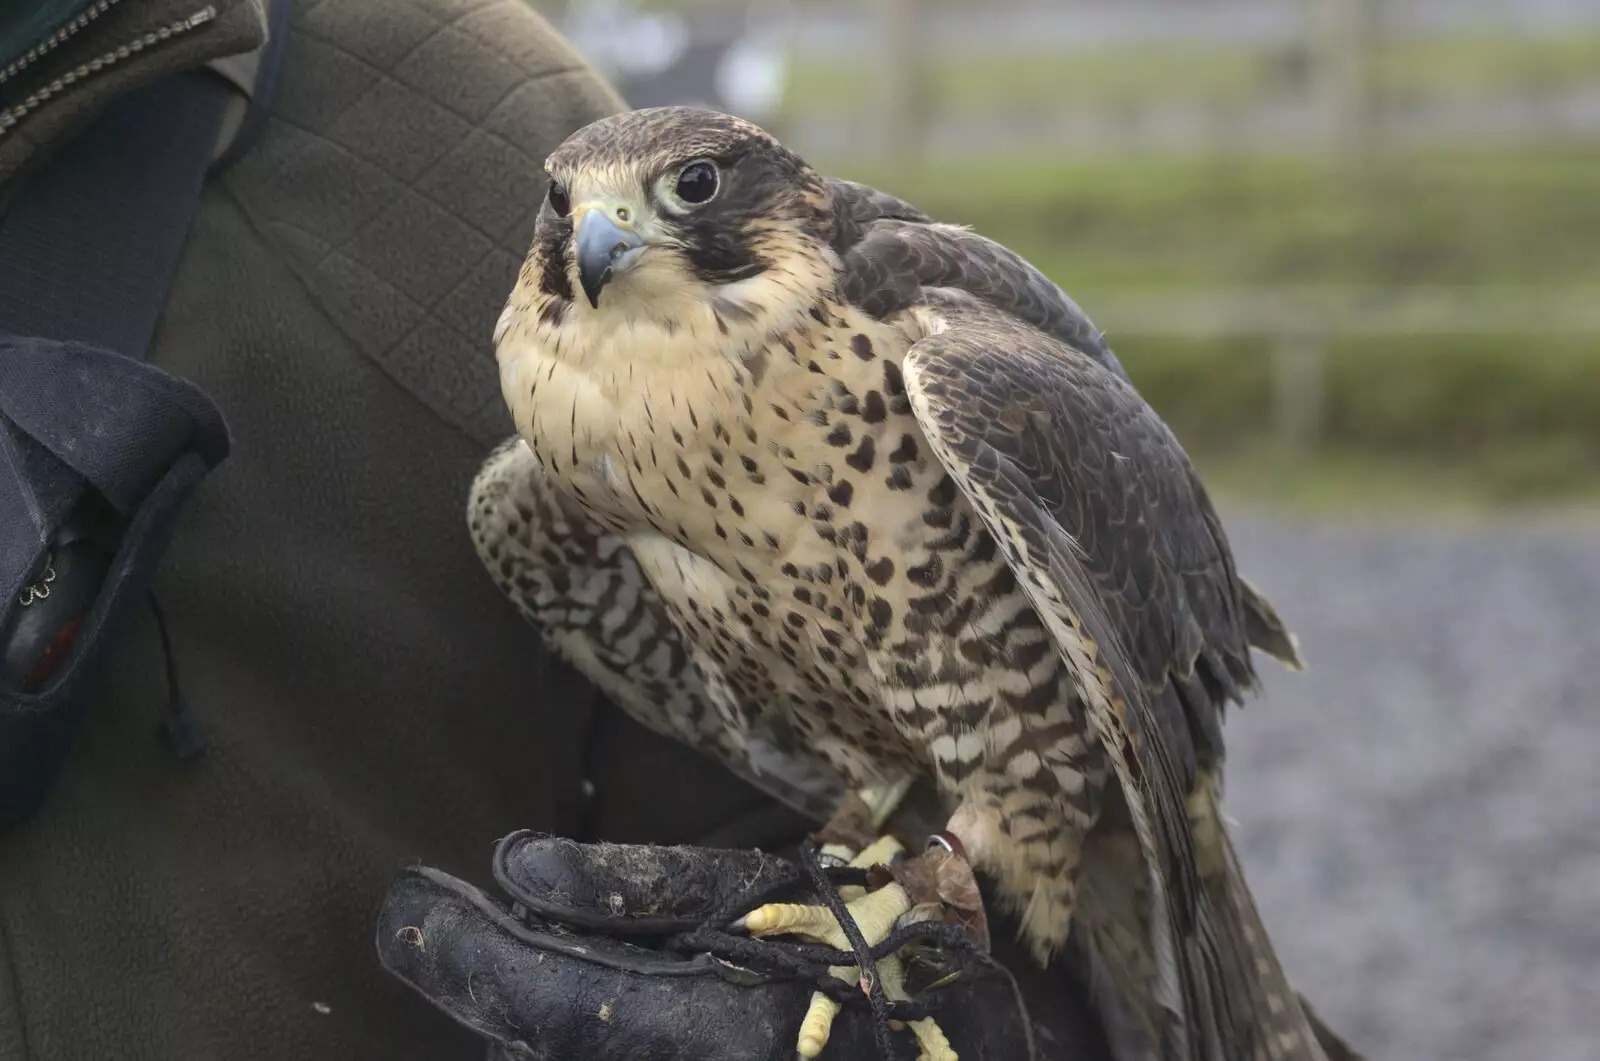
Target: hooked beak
(605,250)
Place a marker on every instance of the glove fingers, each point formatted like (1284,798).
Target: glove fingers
(629,889)
(533,989)
(574,997)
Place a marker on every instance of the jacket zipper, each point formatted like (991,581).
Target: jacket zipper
(56,39)
(11,116)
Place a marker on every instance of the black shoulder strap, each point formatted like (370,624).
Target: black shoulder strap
(89,243)
(99,450)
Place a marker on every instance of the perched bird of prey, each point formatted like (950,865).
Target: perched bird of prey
(842,495)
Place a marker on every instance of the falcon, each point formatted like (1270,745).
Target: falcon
(853,500)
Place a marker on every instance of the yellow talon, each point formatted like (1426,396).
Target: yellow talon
(876,914)
(931,1042)
(817,1026)
(930,1037)
(880,852)
(845,854)
(787,918)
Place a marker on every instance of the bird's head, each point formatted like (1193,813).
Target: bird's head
(654,213)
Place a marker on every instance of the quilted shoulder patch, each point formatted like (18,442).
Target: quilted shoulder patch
(401,171)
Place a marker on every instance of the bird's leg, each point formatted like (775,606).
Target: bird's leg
(876,913)
(975,828)
(1029,841)
(884,799)
(860,817)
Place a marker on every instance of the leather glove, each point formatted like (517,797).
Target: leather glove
(624,951)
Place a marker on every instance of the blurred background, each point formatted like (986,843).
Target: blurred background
(1350,250)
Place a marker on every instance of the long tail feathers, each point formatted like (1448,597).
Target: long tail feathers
(1237,1003)
(1118,965)
(1260,1014)
(1332,1043)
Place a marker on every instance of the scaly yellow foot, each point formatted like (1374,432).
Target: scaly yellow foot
(876,914)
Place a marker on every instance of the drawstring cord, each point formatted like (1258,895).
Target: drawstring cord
(179,728)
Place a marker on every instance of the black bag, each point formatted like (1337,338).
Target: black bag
(99,450)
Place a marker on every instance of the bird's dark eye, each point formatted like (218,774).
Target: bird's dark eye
(697,183)
(559,203)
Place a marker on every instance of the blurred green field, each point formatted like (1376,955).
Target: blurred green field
(1507,216)
(1020,84)
(1486,417)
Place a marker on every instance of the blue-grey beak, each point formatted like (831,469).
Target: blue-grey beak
(604,250)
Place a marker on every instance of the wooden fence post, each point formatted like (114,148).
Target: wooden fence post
(1299,386)
(901,99)
(1347,32)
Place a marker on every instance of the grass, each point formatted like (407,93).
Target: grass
(1362,488)
(1460,65)
(1500,418)
(1018,84)
(1443,419)
(1478,64)
(1450,217)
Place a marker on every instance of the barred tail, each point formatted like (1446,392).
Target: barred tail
(1258,1012)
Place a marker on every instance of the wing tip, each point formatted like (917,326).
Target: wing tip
(1267,631)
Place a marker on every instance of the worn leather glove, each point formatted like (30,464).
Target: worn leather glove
(620,951)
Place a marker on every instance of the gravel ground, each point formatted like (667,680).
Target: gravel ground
(1419,812)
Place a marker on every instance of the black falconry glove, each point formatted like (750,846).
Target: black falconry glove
(650,953)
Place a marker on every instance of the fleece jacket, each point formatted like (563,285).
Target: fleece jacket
(368,699)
